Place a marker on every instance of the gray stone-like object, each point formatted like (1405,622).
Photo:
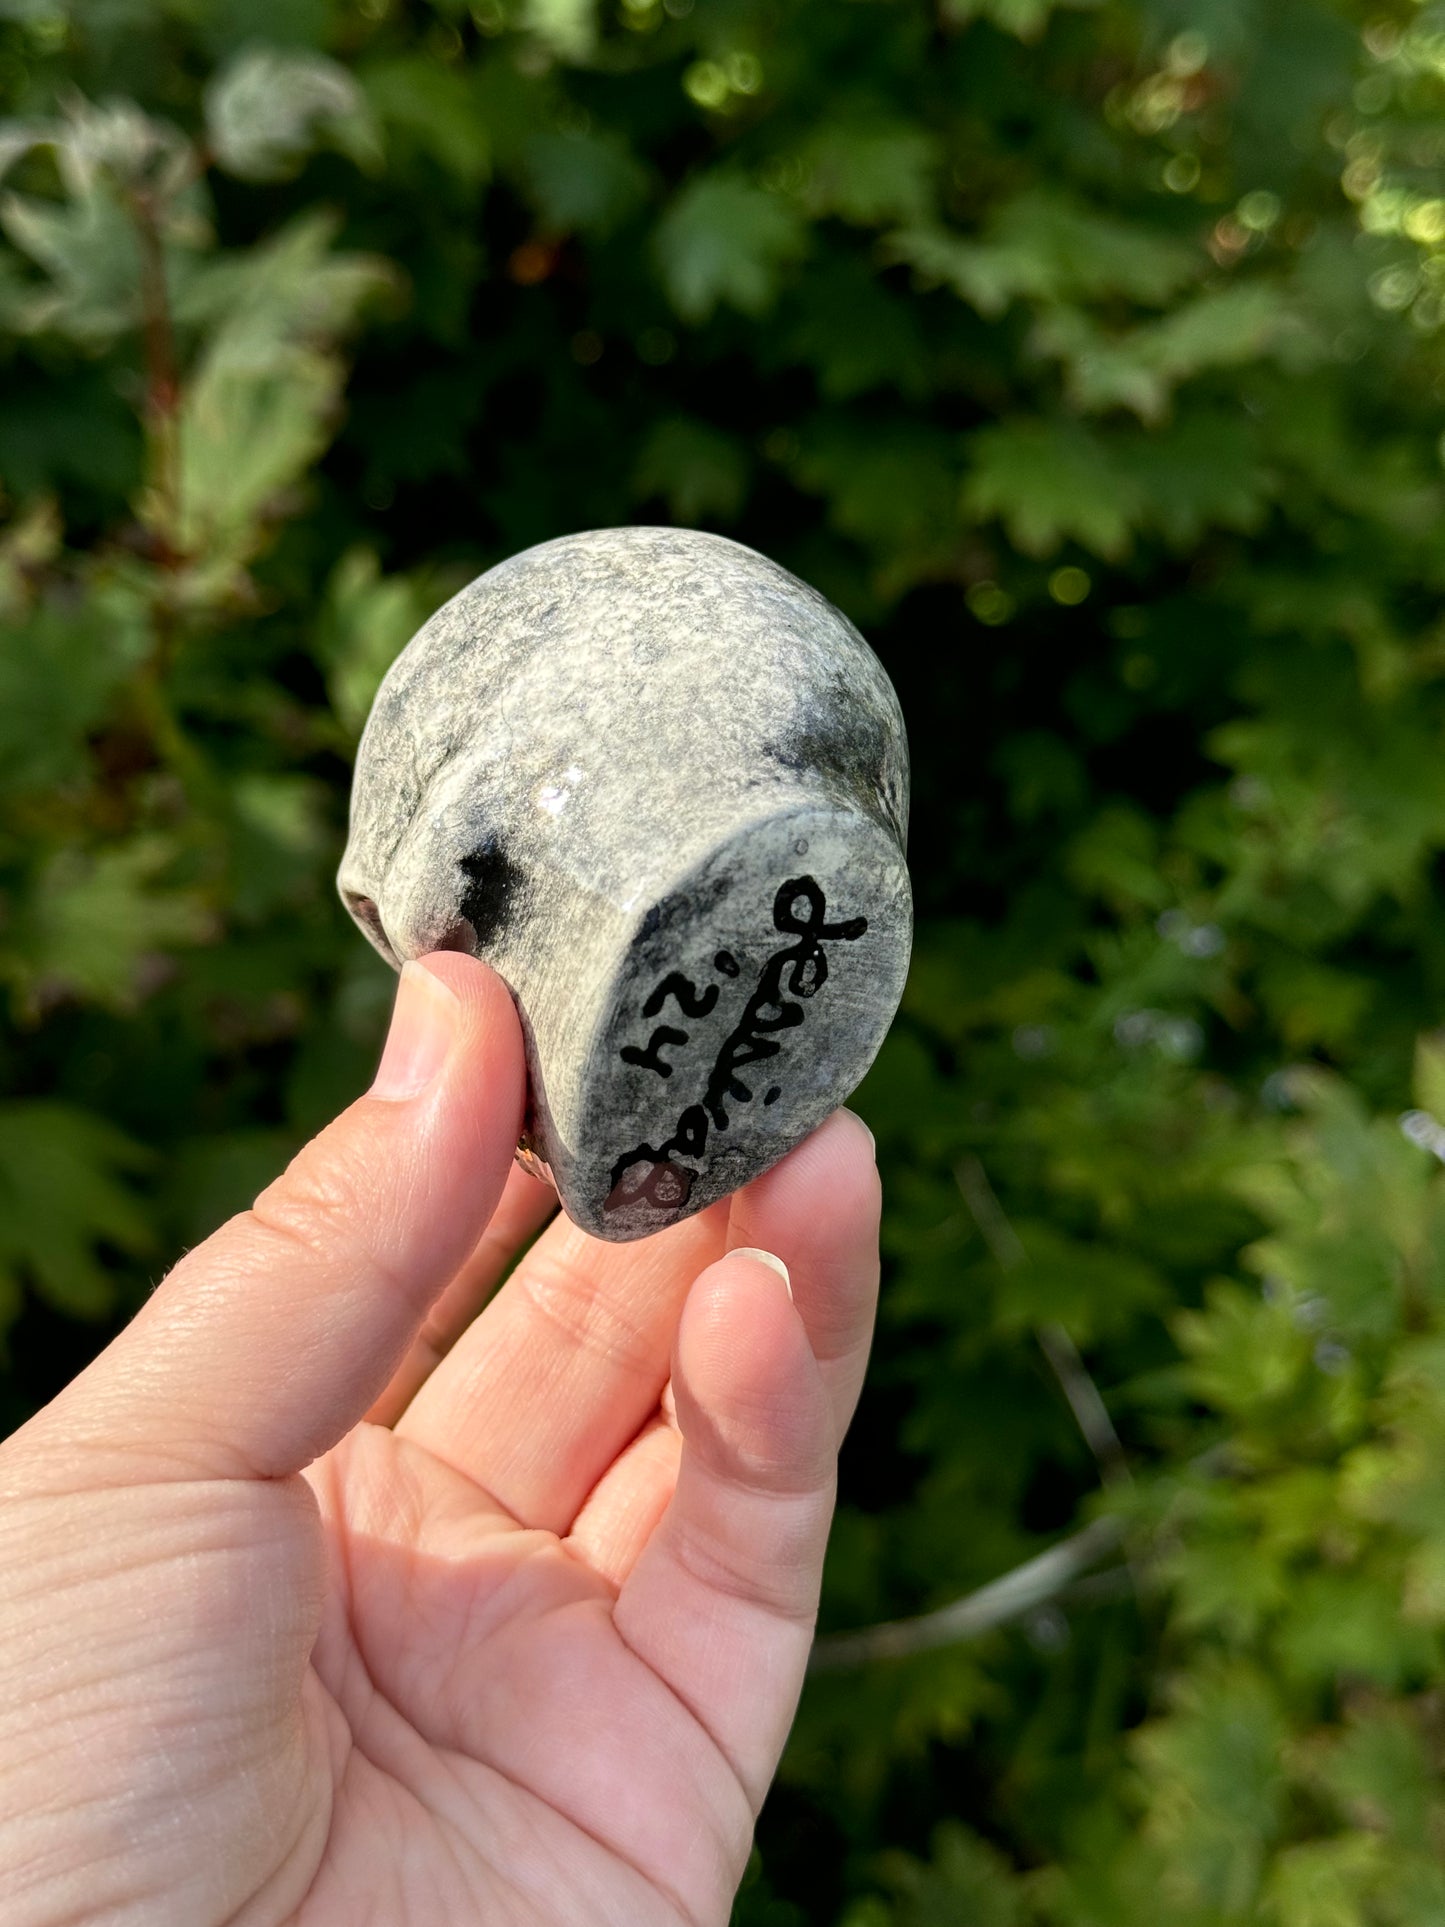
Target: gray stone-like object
(661,786)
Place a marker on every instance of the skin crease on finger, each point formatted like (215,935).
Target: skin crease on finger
(263,1662)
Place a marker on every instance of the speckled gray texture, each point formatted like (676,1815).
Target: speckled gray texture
(662,786)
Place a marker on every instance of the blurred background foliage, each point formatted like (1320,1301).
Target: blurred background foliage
(1092,356)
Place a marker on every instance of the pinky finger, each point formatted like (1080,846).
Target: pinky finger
(721,1602)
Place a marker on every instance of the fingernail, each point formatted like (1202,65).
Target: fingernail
(423,1025)
(871,1139)
(768,1258)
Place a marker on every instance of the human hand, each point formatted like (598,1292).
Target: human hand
(324,1599)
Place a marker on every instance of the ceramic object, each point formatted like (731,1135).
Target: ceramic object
(661,786)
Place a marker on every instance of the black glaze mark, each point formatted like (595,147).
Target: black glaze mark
(849,743)
(727,963)
(492,884)
(651,1058)
(691,1001)
(799,970)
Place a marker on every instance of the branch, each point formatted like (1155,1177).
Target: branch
(1091,1415)
(995,1604)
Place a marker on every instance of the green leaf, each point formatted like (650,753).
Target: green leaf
(1051,482)
(366,620)
(868,171)
(1378,1774)
(700,472)
(895,490)
(60,670)
(963,1879)
(65,1194)
(1348,1626)
(1429,1081)
(856,335)
(1327,1883)
(268,108)
(1045,246)
(725,241)
(1215,1787)
(94,924)
(1142,369)
(583,182)
(1205,470)
(279,843)
(436,109)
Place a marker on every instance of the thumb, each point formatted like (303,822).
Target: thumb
(268,1342)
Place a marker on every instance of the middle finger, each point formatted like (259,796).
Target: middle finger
(564,1366)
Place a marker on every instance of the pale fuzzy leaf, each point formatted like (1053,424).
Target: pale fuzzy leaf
(115,138)
(88,250)
(259,409)
(246,435)
(268,108)
(567,27)
(290,289)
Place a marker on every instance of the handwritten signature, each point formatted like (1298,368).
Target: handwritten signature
(651,1174)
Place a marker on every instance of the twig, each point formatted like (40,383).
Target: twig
(1091,1415)
(988,1214)
(163,387)
(1085,1402)
(1001,1600)
(1051,1574)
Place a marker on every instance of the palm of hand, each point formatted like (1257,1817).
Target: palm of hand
(539,1768)
(523,1649)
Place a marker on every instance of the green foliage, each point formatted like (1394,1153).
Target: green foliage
(1091,357)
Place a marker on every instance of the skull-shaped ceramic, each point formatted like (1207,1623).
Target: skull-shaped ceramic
(661,786)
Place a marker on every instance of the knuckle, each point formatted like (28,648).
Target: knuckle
(317,1212)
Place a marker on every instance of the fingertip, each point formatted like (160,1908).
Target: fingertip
(750,1398)
(768,1258)
(835,1165)
(487,1004)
